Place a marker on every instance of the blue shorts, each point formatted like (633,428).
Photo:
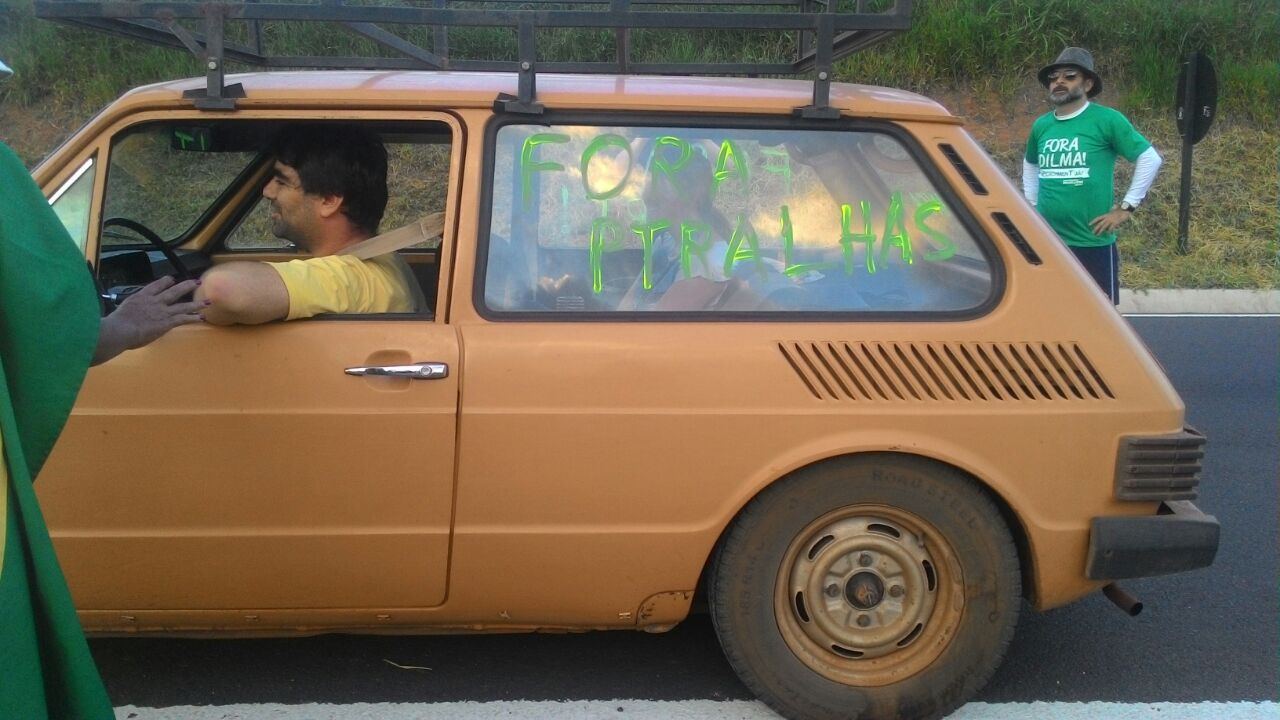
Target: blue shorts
(1103,263)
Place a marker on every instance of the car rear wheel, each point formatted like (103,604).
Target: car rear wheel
(876,586)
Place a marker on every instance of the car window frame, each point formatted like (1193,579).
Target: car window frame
(447,119)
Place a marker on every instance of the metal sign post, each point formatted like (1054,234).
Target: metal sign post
(1196,102)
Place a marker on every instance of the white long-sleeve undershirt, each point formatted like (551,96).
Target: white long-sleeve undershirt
(1144,174)
(1030,181)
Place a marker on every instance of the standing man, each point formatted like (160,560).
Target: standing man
(328,191)
(1069,169)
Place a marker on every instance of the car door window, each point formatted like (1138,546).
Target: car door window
(198,183)
(417,182)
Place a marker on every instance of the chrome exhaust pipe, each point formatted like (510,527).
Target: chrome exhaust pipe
(1123,600)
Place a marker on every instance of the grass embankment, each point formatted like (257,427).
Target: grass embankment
(978,58)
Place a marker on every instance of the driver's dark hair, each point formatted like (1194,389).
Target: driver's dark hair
(337,159)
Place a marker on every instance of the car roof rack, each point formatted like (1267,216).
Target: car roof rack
(827,30)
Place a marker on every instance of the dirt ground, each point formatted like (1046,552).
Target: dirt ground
(33,132)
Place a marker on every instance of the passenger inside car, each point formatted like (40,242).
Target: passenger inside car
(328,191)
(690,240)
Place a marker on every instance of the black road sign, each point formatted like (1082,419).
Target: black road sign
(1196,104)
(1197,108)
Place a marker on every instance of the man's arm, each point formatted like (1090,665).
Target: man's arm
(1144,173)
(1031,170)
(243,293)
(1030,182)
(146,315)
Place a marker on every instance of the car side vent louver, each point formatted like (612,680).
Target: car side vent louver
(1159,467)
(945,371)
(1012,232)
(963,168)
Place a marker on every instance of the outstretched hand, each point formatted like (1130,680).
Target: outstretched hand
(146,315)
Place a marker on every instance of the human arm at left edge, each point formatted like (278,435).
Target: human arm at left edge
(145,316)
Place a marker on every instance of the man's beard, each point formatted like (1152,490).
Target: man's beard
(1070,96)
(282,229)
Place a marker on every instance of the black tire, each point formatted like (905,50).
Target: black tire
(876,587)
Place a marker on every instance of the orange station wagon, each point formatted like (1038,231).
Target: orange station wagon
(796,348)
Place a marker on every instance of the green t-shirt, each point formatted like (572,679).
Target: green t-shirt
(1077,161)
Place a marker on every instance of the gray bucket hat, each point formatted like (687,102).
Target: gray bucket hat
(1076,57)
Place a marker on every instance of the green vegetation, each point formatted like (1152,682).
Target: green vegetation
(1137,43)
(978,58)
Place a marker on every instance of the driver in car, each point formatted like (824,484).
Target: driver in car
(328,190)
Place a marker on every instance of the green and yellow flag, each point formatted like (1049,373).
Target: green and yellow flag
(48,329)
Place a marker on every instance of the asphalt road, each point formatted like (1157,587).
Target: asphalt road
(1210,635)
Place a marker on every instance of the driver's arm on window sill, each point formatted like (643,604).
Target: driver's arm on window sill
(243,293)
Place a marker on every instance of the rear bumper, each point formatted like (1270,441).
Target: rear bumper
(1178,538)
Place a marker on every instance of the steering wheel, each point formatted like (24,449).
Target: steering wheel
(150,236)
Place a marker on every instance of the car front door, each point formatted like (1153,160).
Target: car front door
(242,475)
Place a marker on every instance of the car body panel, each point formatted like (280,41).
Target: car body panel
(196,515)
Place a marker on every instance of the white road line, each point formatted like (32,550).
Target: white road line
(1118,711)
(683,710)
(1201,315)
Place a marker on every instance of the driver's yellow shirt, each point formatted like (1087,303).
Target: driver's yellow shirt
(345,284)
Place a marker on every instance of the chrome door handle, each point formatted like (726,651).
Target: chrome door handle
(417,371)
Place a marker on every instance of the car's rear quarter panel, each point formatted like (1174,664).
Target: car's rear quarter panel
(606,458)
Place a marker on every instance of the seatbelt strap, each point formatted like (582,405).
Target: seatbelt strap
(420,230)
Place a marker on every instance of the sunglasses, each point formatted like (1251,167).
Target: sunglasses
(1069,76)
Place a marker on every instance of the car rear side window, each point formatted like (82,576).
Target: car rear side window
(595,219)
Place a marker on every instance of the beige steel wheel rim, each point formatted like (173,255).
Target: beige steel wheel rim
(869,595)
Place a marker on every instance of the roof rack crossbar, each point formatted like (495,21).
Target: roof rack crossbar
(156,33)
(455,17)
(823,34)
(397,43)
